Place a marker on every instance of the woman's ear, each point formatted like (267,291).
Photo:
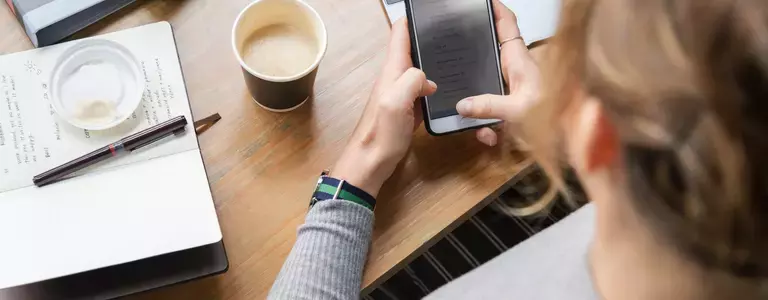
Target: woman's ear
(591,138)
(602,148)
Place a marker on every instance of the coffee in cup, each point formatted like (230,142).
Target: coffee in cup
(279,50)
(279,44)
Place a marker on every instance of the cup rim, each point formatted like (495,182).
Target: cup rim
(318,59)
(63,59)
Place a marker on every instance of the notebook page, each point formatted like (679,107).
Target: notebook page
(33,139)
(102,219)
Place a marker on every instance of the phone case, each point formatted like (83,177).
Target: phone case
(415,61)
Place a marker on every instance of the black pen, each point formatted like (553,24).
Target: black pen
(135,141)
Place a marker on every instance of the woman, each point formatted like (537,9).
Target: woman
(660,106)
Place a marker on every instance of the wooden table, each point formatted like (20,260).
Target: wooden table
(262,166)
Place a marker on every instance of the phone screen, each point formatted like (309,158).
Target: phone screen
(457,50)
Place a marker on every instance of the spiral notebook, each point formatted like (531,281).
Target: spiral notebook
(146,204)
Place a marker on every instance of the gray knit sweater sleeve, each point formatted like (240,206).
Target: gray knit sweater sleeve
(329,255)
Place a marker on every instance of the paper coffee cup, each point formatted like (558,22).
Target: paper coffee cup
(279,45)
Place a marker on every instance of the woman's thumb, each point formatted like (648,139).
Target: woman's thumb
(486,107)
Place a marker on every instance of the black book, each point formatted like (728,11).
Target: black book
(49,21)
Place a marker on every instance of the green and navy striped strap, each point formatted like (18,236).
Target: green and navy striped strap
(331,188)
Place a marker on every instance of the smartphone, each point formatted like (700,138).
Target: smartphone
(454,43)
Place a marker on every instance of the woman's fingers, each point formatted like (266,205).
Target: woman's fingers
(399,52)
(487,136)
(413,84)
(506,29)
(506,21)
(428,89)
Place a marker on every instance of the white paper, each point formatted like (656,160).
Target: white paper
(106,218)
(33,139)
(537,19)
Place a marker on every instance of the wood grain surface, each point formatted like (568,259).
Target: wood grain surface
(262,166)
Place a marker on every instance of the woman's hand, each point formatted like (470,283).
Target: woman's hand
(384,132)
(520,73)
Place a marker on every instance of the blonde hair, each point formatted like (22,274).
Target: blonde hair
(685,83)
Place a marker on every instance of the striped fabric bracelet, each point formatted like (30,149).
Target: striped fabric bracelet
(331,188)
